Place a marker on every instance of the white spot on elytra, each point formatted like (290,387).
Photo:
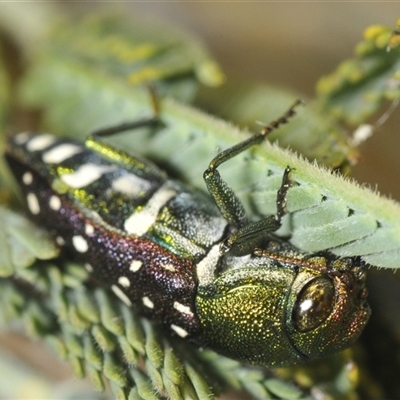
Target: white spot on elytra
(135,265)
(89,229)
(60,241)
(86,174)
(27,178)
(122,296)
(55,203)
(182,308)
(22,138)
(80,244)
(180,331)
(33,203)
(40,142)
(124,281)
(168,267)
(61,153)
(140,221)
(88,267)
(147,302)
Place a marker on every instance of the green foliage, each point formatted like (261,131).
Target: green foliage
(134,55)
(356,90)
(22,243)
(328,211)
(312,134)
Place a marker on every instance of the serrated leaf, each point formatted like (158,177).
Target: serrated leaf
(154,376)
(153,348)
(173,367)
(96,378)
(77,366)
(171,389)
(103,338)
(130,355)
(110,319)
(113,371)
(87,306)
(72,341)
(357,88)
(119,393)
(144,388)
(92,354)
(202,388)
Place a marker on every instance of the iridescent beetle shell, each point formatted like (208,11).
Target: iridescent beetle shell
(158,244)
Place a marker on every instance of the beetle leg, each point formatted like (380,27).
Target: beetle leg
(146,169)
(247,238)
(151,121)
(229,204)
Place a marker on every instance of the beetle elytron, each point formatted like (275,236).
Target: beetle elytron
(190,260)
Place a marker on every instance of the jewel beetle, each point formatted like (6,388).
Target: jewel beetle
(191,260)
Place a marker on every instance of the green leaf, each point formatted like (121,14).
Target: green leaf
(356,90)
(135,53)
(250,105)
(327,211)
(22,242)
(283,391)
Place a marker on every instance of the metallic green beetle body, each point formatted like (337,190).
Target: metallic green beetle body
(287,312)
(191,261)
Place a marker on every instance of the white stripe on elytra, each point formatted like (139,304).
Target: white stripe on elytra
(182,308)
(41,142)
(33,203)
(61,153)
(180,331)
(206,267)
(86,174)
(141,221)
(147,302)
(130,184)
(184,243)
(122,296)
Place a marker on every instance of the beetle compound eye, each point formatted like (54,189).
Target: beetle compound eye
(314,304)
